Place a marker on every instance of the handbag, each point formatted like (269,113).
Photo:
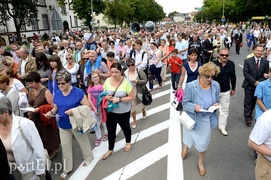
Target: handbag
(47,159)
(146,95)
(187,121)
(176,104)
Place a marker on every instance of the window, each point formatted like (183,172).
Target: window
(45,21)
(75,21)
(56,21)
(63,10)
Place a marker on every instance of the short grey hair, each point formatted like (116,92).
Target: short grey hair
(5,105)
(25,49)
(63,75)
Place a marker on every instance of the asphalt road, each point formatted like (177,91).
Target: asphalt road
(156,150)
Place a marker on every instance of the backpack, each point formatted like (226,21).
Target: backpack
(146,70)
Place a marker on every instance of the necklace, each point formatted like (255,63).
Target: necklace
(203,85)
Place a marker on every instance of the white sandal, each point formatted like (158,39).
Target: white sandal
(63,176)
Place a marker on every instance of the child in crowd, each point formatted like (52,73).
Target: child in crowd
(175,63)
(94,90)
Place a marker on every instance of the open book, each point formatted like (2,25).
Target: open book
(210,109)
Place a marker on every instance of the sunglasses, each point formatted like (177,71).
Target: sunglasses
(225,55)
(85,59)
(208,76)
(129,65)
(61,83)
(69,58)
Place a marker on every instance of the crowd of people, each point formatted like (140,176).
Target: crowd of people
(106,71)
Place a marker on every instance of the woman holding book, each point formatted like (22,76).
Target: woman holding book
(201,94)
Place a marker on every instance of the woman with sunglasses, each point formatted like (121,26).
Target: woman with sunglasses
(72,68)
(201,94)
(67,98)
(56,66)
(81,73)
(139,80)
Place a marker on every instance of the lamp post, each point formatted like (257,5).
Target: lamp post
(92,21)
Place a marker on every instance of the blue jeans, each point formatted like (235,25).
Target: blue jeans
(154,73)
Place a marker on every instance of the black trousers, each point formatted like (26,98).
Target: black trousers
(249,102)
(123,120)
(237,47)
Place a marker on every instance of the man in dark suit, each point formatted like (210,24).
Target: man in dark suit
(255,70)
(207,49)
(81,73)
(238,39)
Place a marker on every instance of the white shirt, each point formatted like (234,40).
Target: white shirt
(23,66)
(261,133)
(138,58)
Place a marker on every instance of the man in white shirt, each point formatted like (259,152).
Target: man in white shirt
(137,56)
(260,141)
(182,47)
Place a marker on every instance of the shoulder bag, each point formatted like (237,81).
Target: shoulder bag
(146,95)
(47,159)
(185,119)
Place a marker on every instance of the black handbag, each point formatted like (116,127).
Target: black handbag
(146,95)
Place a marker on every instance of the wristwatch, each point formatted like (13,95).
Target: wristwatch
(120,99)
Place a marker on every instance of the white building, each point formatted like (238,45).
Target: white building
(50,18)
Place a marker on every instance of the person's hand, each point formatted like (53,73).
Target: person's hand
(43,79)
(96,112)
(265,75)
(256,83)
(68,112)
(197,108)
(36,109)
(108,97)
(30,114)
(115,100)
(48,115)
(232,92)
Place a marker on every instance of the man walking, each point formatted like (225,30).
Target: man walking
(255,70)
(238,38)
(227,82)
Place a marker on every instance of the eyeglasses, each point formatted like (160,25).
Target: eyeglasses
(85,59)
(63,83)
(208,76)
(69,58)
(129,65)
(226,55)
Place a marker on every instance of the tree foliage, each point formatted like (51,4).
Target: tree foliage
(23,12)
(83,8)
(121,12)
(234,10)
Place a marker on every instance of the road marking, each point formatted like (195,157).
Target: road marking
(83,172)
(137,165)
(175,163)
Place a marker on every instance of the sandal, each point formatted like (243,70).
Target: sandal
(107,154)
(86,163)
(98,142)
(63,176)
(105,137)
(128,147)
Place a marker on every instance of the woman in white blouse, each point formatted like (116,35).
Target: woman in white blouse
(72,68)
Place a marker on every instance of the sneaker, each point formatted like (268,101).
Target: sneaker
(98,142)
(105,137)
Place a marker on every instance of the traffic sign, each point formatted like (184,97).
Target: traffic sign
(223,19)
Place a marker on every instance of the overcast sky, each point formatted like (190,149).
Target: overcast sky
(181,6)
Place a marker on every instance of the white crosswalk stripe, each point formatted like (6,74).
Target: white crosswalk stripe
(172,148)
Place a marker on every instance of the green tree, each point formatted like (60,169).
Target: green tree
(23,12)
(83,9)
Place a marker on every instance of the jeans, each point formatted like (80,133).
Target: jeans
(154,73)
